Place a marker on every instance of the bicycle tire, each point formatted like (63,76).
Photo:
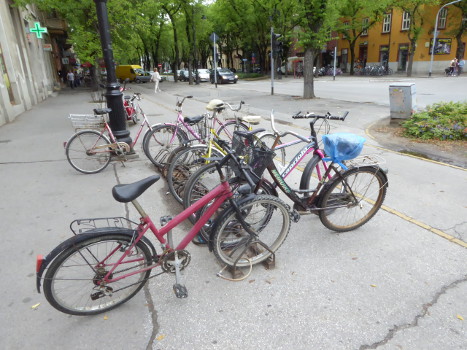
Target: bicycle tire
(369,185)
(312,175)
(79,151)
(230,241)
(225,132)
(204,180)
(160,142)
(184,164)
(70,280)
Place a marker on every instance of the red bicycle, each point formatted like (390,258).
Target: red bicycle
(109,259)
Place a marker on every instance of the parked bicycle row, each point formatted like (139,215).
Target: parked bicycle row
(227,175)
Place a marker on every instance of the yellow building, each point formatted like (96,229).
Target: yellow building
(389,39)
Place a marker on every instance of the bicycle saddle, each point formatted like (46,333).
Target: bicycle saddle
(193,120)
(127,193)
(100,111)
(248,133)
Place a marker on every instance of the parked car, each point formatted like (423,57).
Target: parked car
(203,74)
(183,75)
(224,75)
(143,76)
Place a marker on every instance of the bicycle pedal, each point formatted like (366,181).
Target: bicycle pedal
(165,220)
(180,291)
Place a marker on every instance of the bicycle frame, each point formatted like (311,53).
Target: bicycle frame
(219,194)
(310,147)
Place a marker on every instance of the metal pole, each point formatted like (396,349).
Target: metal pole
(113,95)
(272,63)
(215,61)
(335,58)
(435,34)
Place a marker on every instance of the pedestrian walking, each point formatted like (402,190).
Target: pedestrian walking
(156,78)
(460,66)
(453,66)
(70,77)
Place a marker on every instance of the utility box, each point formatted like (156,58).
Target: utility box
(402,100)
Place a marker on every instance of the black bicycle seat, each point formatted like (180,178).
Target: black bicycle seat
(129,192)
(193,120)
(100,111)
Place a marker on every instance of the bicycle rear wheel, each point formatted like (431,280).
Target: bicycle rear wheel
(267,216)
(184,164)
(86,151)
(352,198)
(225,132)
(71,283)
(161,141)
(204,180)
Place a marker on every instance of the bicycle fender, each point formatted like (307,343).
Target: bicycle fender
(224,213)
(78,239)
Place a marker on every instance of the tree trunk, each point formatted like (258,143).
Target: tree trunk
(308,86)
(411,56)
(352,56)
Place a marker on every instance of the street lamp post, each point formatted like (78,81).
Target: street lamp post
(113,95)
(436,33)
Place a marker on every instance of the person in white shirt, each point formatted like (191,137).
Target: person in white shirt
(156,78)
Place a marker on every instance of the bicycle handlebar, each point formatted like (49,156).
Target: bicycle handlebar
(179,103)
(328,115)
(304,139)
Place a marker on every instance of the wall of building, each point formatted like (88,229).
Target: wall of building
(26,69)
(396,42)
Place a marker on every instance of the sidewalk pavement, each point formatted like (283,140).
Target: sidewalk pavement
(394,283)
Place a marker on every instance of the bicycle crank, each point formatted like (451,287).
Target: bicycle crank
(168,261)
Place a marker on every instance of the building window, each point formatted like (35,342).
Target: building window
(443,16)
(387,23)
(405,21)
(365,26)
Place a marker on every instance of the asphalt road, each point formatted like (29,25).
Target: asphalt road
(398,282)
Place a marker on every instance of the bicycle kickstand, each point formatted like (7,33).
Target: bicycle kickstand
(179,288)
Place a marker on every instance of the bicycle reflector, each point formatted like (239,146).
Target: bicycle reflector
(39,261)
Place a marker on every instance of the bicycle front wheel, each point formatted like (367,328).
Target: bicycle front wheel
(184,164)
(352,199)
(161,141)
(267,216)
(225,132)
(73,282)
(87,151)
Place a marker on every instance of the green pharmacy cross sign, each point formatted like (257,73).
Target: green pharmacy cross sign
(38,30)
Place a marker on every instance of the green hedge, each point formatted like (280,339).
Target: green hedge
(440,121)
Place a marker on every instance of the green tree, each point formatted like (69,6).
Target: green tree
(357,17)
(460,27)
(315,19)
(415,10)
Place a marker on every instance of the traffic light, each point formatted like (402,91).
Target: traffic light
(276,44)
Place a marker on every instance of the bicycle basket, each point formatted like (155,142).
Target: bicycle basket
(343,146)
(87,121)
(256,156)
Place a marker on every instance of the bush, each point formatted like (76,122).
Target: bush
(249,75)
(440,121)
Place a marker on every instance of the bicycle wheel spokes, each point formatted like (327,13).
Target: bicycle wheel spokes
(267,217)
(88,151)
(352,200)
(183,165)
(74,286)
(160,142)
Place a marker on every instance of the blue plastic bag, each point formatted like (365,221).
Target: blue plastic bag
(342,146)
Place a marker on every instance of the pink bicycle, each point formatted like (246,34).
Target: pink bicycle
(90,150)
(109,259)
